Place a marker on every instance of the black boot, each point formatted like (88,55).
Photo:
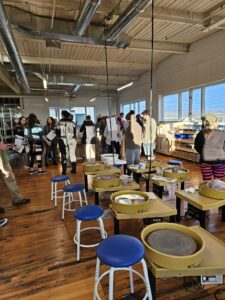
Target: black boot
(64,168)
(74,167)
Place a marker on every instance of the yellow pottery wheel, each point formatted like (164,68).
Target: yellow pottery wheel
(106,181)
(135,207)
(173,262)
(155,163)
(181,174)
(93,167)
(211,193)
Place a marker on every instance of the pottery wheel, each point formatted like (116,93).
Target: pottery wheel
(172,242)
(107,177)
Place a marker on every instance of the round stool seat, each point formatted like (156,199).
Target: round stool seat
(73,187)
(89,212)
(60,178)
(174,163)
(120,251)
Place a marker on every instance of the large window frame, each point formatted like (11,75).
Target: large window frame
(197,108)
(137,106)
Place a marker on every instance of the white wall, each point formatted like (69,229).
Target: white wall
(39,106)
(205,63)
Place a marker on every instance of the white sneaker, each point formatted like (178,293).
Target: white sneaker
(3,222)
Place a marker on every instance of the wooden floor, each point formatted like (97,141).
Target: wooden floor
(38,255)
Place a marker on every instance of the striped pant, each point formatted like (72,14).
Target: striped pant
(216,171)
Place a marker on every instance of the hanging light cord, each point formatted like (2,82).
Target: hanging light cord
(107,83)
(151,94)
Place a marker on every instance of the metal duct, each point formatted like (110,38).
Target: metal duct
(86,15)
(11,48)
(133,10)
(68,38)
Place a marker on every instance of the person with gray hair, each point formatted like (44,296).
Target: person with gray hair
(210,144)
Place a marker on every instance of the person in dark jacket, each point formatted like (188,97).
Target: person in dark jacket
(210,144)
(50,142)
(89,139)
(19,134)
(34,133)
(66,132)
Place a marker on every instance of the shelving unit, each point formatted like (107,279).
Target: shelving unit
(177,140)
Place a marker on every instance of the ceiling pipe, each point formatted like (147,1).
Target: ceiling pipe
(133,10)
(85,17)
(12,51)
(68,38)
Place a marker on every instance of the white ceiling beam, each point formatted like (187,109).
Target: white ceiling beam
(163,47)
(119,78)
(80,63)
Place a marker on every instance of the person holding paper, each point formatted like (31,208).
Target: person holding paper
(21,143)
(89,139)
(34,133)
(113,135)
(50,140)
(66,133)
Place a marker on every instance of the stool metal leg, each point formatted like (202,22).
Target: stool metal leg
(80,198)
(102,230)
(52,187)
(63,205)
(111,283)
(56,194)
(78,239)
(97,270)
(70,199)
(85,197)
(148,288)
(131,281)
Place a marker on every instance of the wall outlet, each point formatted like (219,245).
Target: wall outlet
(214,279)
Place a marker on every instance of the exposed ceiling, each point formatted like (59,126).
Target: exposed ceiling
(46,35)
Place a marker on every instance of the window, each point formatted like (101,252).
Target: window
(138,107)
(215,101)
(79,113)
(185,105)
(170,107)
(196,104)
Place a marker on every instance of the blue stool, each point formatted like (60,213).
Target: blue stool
(121,252)
(68,193)
(54,186)
(175,163)
(88,213)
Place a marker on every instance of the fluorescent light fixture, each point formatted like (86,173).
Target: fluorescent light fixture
(92,100)
(46,99)
(88,84)
(125,86)
(45,83)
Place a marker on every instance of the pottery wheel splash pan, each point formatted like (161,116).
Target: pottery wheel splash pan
(179,174)
(130,202)
(106,181)
(173,246)
(93,167)
(209,192)
(155,163)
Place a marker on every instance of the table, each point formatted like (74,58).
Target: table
(130,186)
(157,209)
(108,171)
(198,205)
(138,172)
(213,262)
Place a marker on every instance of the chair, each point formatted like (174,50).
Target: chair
(54,187)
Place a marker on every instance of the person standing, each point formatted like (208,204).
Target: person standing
(50,141)
(133,140)
(113,135)
(10,181)
(34,133)
(89,139)
(66,133)
(210,144)
(19,133)
(149,134)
